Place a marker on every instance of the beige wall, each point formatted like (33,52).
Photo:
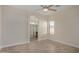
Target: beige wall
(0,24)
(14,26)
(67,26)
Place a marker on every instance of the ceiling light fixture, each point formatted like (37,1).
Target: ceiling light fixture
(45,9)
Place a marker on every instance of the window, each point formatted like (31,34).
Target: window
(52,23)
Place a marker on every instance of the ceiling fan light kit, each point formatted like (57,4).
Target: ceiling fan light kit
(48,8)
(45,9)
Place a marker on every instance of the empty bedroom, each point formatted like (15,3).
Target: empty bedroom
(39,28)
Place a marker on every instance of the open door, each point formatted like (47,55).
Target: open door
(33,28)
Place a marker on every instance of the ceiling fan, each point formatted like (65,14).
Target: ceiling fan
(48,7)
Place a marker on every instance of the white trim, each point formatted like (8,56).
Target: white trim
(66,43)
(13,44)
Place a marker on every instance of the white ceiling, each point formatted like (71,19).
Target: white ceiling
(34,8)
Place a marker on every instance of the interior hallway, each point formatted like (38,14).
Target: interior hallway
(43,46)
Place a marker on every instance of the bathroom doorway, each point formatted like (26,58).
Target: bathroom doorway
(33,28)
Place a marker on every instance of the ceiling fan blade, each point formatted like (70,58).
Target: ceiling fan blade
(50,6)
(41,5)
(57,5)
(52,10)
(44,6)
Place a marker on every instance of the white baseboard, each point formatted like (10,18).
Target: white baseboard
(13,44)
(66,43)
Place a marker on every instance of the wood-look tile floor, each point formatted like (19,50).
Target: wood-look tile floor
(43,46)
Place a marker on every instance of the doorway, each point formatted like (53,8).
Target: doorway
(33,28)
